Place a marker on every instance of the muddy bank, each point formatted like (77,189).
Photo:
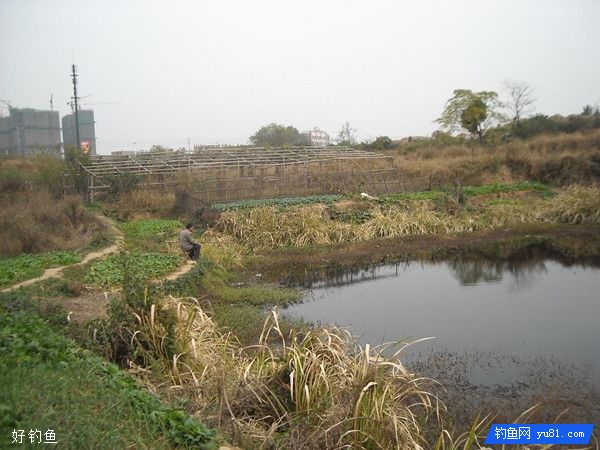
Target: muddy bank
(567,243)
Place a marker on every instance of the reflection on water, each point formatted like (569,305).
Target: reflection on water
(522,271)
(527,307)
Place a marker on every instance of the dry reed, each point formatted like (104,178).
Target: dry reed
(270,227)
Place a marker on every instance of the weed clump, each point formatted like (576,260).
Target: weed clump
(35,222)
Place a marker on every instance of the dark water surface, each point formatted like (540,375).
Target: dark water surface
(502,314)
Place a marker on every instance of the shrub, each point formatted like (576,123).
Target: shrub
(140,203)
(35,221)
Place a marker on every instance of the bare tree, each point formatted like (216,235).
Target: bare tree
(521,99)
(347,135)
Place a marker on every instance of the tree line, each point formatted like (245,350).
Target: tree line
(467,114)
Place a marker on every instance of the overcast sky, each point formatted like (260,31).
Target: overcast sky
(214,72)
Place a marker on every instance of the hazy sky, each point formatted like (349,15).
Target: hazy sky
(216,71)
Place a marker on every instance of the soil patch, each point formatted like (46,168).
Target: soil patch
(84,308)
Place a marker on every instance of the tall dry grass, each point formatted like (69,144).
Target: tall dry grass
(318,389)
(141,204)
(303,390)
(558,159)
(178,341)
(35,221)
(269,227)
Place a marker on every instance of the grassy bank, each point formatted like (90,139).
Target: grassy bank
(50,383)
(201,341)
(557,159)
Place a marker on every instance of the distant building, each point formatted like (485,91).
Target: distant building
(316,137)
(123,152)
(27,131)
(87,130)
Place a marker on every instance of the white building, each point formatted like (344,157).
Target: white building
(317,137)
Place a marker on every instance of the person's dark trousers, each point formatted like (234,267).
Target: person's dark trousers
(194,252)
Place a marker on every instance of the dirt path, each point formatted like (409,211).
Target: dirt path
(56,272)
(187,266)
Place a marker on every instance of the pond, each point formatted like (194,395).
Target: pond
(496,317)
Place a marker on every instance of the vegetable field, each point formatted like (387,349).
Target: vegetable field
(25,266)
(145,266)
(283,201)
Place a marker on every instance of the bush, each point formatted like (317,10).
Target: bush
(34,221)
(140,203)
(23,174)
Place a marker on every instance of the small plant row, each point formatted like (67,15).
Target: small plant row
(110,272)
(284,201)
(391,198)
(26,266)
(352,216)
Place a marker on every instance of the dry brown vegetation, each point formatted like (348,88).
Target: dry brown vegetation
(560,159)
(317,389)
(22,174)
(269,227)
(35,221)
(141,204)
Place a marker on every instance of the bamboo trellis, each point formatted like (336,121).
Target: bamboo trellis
(160,169)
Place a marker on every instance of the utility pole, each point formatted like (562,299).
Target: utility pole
(74,75)
(51,103)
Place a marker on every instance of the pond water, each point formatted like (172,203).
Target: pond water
(500,313)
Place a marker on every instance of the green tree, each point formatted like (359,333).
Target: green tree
(474,112)
(276,135)
(587,111)
(381,143)
(75,159)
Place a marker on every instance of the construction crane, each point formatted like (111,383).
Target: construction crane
(7,103)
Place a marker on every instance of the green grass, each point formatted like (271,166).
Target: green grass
(53,288)
(26,266)
(283,201)
(109,272)
(137,229)
(470,191)
(496,188)
(152,235)
(246,322)
(219,284)
(49,383)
